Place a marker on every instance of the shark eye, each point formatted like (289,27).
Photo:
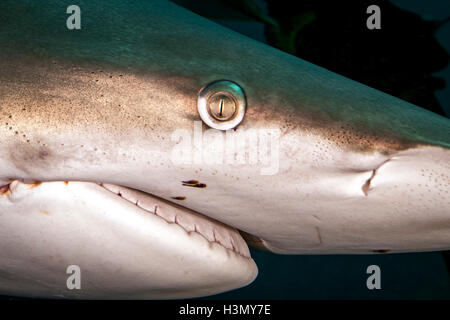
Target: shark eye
(222,104)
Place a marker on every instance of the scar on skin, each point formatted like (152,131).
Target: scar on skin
(319,236)
(366,186)
(179,198)
(193,183)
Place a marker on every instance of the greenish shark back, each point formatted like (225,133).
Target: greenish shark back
(157,38)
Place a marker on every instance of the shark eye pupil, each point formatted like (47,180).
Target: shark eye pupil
(222,104)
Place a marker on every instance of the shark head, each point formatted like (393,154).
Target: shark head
(107,163)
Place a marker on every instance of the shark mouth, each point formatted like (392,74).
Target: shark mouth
(129,244)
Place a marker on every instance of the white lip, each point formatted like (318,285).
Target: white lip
(123,251)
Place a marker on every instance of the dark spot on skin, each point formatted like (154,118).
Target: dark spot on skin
(193,183)
(190,182)
(66,183)
(179,198)
(381,251)
(43,154)
(199,185)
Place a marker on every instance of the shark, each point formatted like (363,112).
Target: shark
(93,122)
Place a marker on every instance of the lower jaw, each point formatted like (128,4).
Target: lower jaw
(123,250)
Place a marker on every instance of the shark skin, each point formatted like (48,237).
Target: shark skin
(87,175)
